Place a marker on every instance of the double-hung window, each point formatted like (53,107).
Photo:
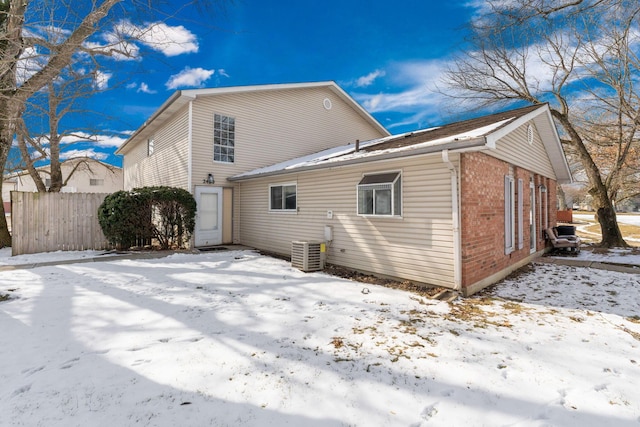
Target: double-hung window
(282,198)
(380,194)
(224,137)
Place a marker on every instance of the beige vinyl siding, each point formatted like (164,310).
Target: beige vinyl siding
(515,149)
(273,126)
(168,165)
(418,246)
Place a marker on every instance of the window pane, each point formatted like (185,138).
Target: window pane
(289,197)
(365,201)
(276,197)
(208,211)
(223,138)
(383,202)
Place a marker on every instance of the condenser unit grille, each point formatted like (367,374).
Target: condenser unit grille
(307,256)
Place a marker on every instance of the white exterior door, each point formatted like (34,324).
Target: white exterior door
(208,230)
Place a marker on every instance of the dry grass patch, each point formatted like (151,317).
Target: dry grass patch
(472,311)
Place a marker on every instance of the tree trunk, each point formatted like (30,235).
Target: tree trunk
(606,214)
(562,198)
(5,144)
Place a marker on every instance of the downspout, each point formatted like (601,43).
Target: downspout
(190,150)
(455,219)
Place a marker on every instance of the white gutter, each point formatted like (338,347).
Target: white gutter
(190,150)
(455,218)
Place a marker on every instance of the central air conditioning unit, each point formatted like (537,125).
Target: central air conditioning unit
(308,256)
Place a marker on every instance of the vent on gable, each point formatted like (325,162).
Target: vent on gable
(530,134)
(307,256)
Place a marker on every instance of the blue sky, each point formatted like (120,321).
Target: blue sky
(387,56)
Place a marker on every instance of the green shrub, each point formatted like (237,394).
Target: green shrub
(134,218)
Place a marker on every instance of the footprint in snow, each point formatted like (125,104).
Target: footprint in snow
(69,363)
(429,412)
(32,371)
(601,387)
(21,390)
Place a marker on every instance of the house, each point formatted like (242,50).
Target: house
(198,138)
(458,206)
(82,175)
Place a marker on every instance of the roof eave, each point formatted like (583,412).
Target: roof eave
(175,96)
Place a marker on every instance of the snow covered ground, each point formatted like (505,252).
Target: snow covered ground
(622,218)
(239,339)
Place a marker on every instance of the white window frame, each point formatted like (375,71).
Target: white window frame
(384,178)
(224,140)
(509,215)
(282,208)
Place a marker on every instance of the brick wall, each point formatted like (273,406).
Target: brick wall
(482,215)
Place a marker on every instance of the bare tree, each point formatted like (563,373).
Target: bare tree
(61,98)
(14,43)
(39,40)
(582,58)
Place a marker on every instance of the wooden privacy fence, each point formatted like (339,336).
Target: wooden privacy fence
(45,222)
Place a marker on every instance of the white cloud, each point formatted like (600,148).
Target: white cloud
(367,80)
(171,41)
(189,77)
(70,154)
(222,72)
(417,88)
(109,141)
(30,62)
(144,88)
(106,141)
(101,80)
(122,41)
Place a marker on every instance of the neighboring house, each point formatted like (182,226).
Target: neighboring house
(89,176)
(458,206)
(198,138)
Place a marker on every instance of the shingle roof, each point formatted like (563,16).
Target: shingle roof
(479,133)
(452,129)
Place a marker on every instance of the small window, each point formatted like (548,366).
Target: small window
(224,136)
(96,182)
(380,195)
(150,146)
(283,197)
